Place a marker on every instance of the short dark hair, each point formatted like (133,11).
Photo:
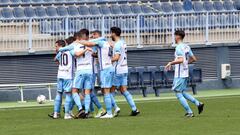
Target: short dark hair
(84,32)
(60,43)
(97,31)
(180,33)
(70,39)
(116,30)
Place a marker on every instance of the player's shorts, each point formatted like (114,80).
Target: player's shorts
(83,81)
(180,84)
(106,77)
(120,80)
(64,85)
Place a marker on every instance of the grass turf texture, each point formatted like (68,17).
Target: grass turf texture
(164,117)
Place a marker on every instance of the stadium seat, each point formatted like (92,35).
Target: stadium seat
(62,11)
(187,5)
(218,5)
(136,9)
(140,71)
(156,78)
(208,6)
(18,12)
(94,10)
(37,1)
(166,7)
(115,9)
(26,1)
(83,10)
(198,6)
(40,12)
(168,77)
(228,5)
(105,10)
(16,1)
(157,6)
(5,1)
(126,9)
(73,11)
(146,9)
(51,11)
(237,4)
(133,78)
(7,13)
(177,7)
(48,1)
(29,12)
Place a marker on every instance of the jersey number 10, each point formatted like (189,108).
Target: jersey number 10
(64,59)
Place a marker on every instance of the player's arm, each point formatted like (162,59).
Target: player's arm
(87,43)
(57,57)
(178,60)
(82,52)
(116,57)
(192,59)
(117,50)
(67,48)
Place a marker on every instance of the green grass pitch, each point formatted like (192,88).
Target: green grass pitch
(158,117)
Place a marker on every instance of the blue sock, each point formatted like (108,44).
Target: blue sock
(91,107)
(58,102)
(114,104)
(129,99)
(72,105)
(87,101)
(77,100)
(95,100)
(68,103)
(183,102)
(191,98)
(107,100)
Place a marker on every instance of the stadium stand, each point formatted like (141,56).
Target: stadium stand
(55,19)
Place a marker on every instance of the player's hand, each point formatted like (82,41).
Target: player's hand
(168,66)
(89,49)
(111,44)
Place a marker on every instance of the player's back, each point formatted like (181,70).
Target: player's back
(84,62)
(121,65)
(105,55)
(66,65)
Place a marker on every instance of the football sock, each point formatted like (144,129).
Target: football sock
(129,99)
(191,98)
(107,100)
(114,104)
(91,107)
(95,100)
(77,100)
(87,101)
(58,102)
(68,103)
(183,102)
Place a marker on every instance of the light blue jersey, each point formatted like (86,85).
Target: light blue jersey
(121,66)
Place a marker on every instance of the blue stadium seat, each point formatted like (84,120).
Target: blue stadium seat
(73,11)
(166,7)
(16,1)
(208,6)
(156,78)
(140,71)
(187,5)
(177,7)
(5,1)
(126,9)
(133,78)
(94,10)
(7,13)
(168,77)
(49,1)
(157,7)
(40,12)
(37,1)
(62,11)
(29,12)
(228,5)
(26,1)
(237,4)
(136,9)
(218,5)
(105,10)
(198,6)
(18,12)
(115,9)
(45,27)
(60,1)
(51,11)
(83,10)
(146,9)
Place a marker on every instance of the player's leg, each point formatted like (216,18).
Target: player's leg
(179,86)
(94,98)
(194,101)
(87,88)
(127,95)
(68,100)
(58,100)
(108,103)
(115,84)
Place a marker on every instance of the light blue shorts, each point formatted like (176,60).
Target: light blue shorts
(180,84)
(83,81)
(64,85)
(106,77)
(120,80)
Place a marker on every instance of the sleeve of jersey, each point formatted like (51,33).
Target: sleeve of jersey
(58,56)
(117,49)
(67,48)
(179,52)
(190,52)
(72,52)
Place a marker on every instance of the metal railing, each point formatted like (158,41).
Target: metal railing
(39,34)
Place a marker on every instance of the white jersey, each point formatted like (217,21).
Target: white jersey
(182,50)
(121,66)
(66,65)
(83,62)
(104,55)
(95,65)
